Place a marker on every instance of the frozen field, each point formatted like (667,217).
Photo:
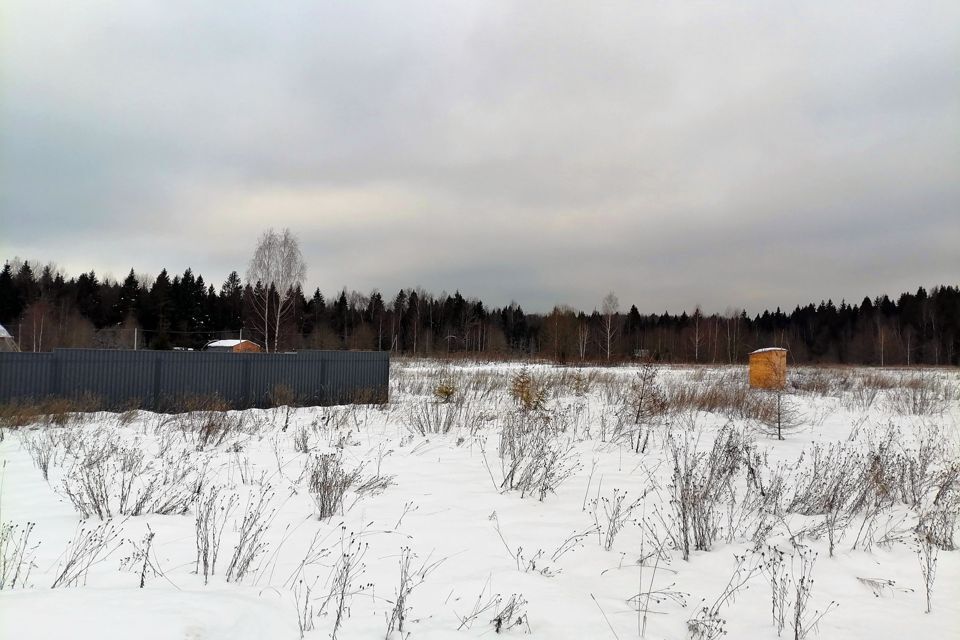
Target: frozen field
(484,499)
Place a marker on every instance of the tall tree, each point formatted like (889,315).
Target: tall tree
(610,309)
(278,265)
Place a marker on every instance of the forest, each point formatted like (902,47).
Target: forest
(44,309)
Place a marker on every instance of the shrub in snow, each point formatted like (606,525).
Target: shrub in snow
(42,448)
(445,391)
(411,577)
(511,614)
(328,482)
(708,624)
(641,407)
(252,528)
(88,547)
(213,509)
(527,393)
(700,483)
(921,395)
(16,555)
(108,479)
(534,458)
(341,583)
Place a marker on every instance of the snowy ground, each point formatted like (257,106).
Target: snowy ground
(599,556)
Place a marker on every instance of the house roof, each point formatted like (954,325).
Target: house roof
(765,349)
(226,343)
(4,333)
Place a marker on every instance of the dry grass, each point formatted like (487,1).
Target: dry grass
(49,411)
(726,395)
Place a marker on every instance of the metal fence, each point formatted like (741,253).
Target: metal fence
(169,379)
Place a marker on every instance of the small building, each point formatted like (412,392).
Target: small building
(237,346)
(768,368)
(7,343)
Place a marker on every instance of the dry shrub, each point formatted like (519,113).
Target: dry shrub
(108,479)
(16,555)
(641,406)
(445,391)
(328,481)
(820,382)
(533,458)
(125,418)
(529,394)
(371,395)
(700,483)
(876,380)
(207,429)
(301,439)
(89,546)
(17,413)
(436,418)
(862,398)
(56,410)
(921,395)
(193,403)
(213,509)
(580,383)
(940,521)
(281,396)
(727,395)
(42,447)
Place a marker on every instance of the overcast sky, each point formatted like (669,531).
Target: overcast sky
(747,154)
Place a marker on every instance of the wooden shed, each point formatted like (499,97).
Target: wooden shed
(237,346)
(768,368)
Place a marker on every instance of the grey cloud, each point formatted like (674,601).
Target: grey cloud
(759,155)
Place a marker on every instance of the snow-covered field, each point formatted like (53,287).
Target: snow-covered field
(534,513)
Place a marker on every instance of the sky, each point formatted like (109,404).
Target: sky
(728,155)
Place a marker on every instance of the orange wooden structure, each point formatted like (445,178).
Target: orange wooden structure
(768,368)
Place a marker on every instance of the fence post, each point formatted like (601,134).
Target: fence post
(320,392)
(157,371)
(53,381)
(247,364)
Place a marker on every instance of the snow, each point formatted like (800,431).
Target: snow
(4,333)
(226,343)
(445,505)
(765,349)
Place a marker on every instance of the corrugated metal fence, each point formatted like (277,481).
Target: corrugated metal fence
(168,379)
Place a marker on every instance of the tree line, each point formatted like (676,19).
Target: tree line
(45,309)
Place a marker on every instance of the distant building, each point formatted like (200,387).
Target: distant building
(7,342)
(237,346)
(768,368)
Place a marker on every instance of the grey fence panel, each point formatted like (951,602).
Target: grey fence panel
(294,373)
(182,375)
(25,375)
(162,379)
(117,378)
(364,378)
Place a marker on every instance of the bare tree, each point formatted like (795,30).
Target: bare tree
(610,307)
(277,265)
(697,334)
(583,337)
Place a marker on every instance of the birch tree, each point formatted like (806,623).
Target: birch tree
(611,306)
(278,267)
